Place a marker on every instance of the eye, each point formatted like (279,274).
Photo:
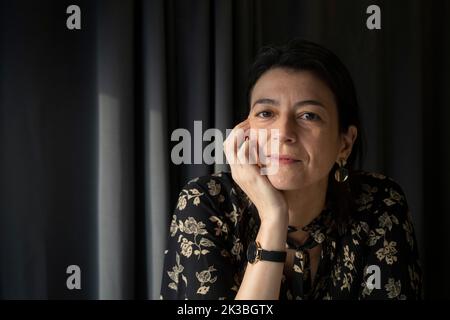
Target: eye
(264,114)
(310,116)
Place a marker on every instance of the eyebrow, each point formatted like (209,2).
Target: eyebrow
(297,104)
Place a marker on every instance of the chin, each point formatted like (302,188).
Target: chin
(285,182)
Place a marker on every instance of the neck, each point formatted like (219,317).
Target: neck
(306,204)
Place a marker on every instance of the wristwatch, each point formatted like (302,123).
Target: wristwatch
(255,253)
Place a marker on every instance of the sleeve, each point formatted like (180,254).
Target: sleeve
(392,268)
(198,262)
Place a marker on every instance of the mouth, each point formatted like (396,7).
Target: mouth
(284,159)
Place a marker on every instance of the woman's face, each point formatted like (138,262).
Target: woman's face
(303,109)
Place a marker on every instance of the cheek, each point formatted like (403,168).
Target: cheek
(261,133)
(322,149)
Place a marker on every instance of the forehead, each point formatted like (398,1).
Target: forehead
(281,83)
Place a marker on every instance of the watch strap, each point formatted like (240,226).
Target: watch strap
(275,256)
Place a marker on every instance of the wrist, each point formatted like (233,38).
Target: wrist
(277,220)
(256,253)
(272,235)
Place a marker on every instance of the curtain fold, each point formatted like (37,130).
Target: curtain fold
(115,89)
(156,140)
(86,118)
(48,143)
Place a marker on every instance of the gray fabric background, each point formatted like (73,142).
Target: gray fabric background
(86,118)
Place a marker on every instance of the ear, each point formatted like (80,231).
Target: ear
(347,140)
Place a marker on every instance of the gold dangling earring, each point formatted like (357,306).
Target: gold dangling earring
(341,173)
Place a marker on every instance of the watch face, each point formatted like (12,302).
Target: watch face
(251,252)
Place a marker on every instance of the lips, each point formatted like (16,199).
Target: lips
(284,159)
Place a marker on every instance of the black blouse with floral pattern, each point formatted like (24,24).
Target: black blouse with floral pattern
(376,257)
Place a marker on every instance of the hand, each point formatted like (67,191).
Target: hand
(270,202)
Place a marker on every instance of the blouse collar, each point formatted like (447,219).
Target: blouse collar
(321,226)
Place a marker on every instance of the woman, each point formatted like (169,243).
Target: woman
(315,228)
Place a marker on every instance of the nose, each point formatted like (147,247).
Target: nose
(286,126)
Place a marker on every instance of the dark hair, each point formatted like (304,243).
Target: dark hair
(302,55)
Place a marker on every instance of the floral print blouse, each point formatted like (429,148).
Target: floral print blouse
(376,257)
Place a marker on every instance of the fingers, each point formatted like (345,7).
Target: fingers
(241,146)
(248,153)
(243,150)
(237,130)
(253,147)
(235,140)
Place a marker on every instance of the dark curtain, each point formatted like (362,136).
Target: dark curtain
(86,118)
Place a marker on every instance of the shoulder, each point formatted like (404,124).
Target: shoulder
(214,199)
(218,189)
(374,190)
(379,200)
(213,183)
